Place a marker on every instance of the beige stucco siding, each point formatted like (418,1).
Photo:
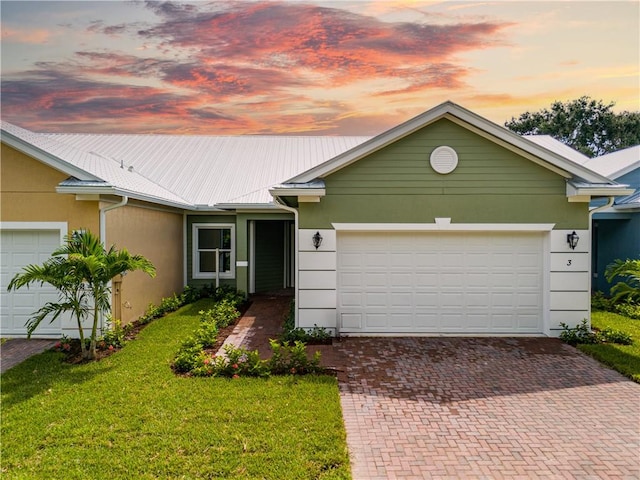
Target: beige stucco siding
(27,194)
(157,235)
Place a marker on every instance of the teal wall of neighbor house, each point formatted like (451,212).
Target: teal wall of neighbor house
(241,221)
(491,184)
(616,235)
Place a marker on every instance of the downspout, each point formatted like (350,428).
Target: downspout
(103,236)
(296,252)
(103,218)
(591,213)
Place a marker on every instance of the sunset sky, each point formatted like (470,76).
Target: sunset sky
(306,67)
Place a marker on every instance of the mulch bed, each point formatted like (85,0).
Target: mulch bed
(74,354)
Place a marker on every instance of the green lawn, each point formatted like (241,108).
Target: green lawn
(623,358)
(128,416)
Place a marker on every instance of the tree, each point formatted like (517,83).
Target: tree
(81,271)
(587,125)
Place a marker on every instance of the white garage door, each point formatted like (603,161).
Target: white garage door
(439,282)
(20,248)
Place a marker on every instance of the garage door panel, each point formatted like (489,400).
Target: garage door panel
(441,282)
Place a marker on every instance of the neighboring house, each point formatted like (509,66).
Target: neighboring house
(616,228)
(445,224)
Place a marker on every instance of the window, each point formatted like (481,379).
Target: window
(207,237)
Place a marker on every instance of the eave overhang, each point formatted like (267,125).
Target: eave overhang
(578,191)
(92,187)
(307,192)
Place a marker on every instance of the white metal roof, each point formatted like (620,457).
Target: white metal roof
(213,170)
(616,164)
(550,143)
(85,166)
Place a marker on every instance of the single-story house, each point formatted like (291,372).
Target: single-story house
(445,224)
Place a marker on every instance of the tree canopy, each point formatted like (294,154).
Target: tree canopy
(587,125)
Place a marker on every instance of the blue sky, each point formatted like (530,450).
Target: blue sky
(306,67)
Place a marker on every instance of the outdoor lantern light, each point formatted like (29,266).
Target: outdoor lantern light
(572,240)
(317,240)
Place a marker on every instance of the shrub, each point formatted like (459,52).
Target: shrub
(113,335)
(189,357)
(580,334)
(291,334)
(611,335)
(628,289)
(628,310)
(583,335)
(600,302)
(292,359)
(223,313)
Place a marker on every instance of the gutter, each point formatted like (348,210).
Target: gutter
(281,205)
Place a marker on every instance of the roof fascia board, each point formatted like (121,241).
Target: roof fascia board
(297,192)
(46,158)
(598,191)
(245,207)
(111,190)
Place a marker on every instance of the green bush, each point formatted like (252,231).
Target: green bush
(189,357)
(113,335)
(583,335)
(580,334)
(601,302)
(611,335)
(291,334)
(628,310)
(223,313)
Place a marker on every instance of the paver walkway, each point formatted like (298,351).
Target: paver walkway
(476,408)
(17,350)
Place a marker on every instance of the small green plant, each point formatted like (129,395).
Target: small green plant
(581,334)
(63,345)
(611,335)
(601,302)
(113,335)
(223,313)
(190,356)
(628,310)
(628,289)
(291,334)
(292,359)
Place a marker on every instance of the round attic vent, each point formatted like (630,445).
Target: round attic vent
(444,160)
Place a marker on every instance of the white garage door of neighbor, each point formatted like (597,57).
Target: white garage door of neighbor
(436,282)
(20,248)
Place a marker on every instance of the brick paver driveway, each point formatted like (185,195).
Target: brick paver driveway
(485,408)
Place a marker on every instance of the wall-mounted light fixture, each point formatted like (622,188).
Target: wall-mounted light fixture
(317,240)
(572,240)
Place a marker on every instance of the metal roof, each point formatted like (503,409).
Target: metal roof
(212,170)
(550,143)
(88,166)
(616,164)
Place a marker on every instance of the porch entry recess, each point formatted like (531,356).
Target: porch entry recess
(271,255)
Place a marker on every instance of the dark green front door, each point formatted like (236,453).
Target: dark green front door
(270,254)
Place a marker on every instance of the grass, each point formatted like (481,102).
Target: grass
(129,416)
(623,358)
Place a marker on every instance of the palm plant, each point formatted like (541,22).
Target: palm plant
(630,289)
(81,271)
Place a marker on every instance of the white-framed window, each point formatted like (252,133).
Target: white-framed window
(206,238)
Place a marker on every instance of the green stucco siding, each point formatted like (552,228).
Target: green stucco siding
(491,184)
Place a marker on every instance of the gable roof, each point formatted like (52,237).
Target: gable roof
(226,172)
(550,143)
(466,119)
(89,171)
(210,171)
(616,164)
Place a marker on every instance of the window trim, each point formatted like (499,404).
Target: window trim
(195,252)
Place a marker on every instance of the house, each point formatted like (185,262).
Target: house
(616,227)
(445,224)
